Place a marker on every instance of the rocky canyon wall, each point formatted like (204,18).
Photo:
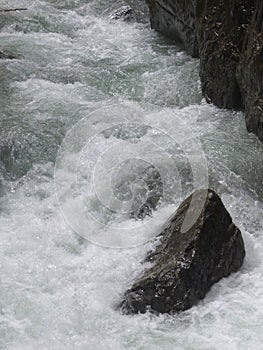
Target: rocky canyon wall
(227,36)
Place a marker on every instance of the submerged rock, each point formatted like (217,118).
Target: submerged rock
(139,13)
(188,261)
(124,13)
(140,183)
(153,193)
(7,56)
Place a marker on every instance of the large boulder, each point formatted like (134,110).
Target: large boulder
(227,35)
(198,246)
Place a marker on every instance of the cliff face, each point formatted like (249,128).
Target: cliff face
(250,72)
(227,36)
(176,19)
(221,29)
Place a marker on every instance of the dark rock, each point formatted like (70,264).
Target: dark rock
(250,72)
(191,257)
(227,35)
(221,27)
(124,13)
(7,56)
(130,11)
(175,19)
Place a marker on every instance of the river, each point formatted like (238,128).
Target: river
(119,98)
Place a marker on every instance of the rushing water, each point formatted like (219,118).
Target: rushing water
(57,290)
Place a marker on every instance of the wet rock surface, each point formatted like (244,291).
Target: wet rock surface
(250,72)
(176,19)
(221,28)
(189,258)
(124,13)
(227,36)
(128,11)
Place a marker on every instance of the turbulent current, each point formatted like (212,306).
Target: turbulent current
(103,133)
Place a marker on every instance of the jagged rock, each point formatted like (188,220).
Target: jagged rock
(227,35)
(188,261)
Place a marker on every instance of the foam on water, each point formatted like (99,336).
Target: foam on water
(57,290)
